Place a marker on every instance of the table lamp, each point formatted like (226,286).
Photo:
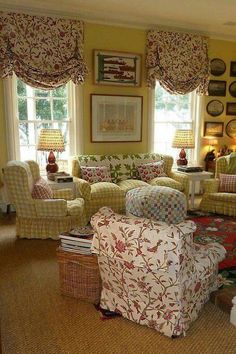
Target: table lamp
(183,139)
(51,140)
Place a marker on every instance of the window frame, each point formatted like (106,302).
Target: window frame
(75,97)
(196,112)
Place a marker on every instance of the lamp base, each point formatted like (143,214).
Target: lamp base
(182,158)
(51,167)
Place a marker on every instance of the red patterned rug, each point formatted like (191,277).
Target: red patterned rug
(220,229)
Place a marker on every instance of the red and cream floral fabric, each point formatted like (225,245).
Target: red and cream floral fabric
(41,190)
(227,183)
(44,52)
(96,174)
(148,171)
(179,61)
(153,273)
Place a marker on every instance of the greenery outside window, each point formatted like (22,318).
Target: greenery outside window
(173,112)
(37,109)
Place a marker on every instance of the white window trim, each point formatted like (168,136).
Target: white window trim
(75,106)
(197,112)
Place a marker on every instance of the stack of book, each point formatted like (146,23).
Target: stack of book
(77,240)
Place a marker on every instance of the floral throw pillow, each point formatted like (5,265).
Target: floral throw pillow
(227,183)
(96,174)
(148,171)
(42,190)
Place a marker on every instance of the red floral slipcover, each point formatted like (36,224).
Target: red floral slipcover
(152,273)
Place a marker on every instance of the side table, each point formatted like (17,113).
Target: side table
(55,185)
(193,178)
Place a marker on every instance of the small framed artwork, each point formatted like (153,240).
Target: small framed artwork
(217,67)
(233,68)
(213,129)
(232,88)
(215,108)
(217,88)
(231,108)
(231,128)
(116,118)
(117,68)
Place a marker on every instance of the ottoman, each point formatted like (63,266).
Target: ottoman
(158,203)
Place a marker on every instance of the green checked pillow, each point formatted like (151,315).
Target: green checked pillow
(227,183)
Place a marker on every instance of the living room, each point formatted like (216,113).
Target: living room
(45,321)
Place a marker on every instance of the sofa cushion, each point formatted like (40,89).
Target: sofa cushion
(166,182)
(96,174)
(103,190)
(42,190)
(131,184)
(148,171)
(227,183)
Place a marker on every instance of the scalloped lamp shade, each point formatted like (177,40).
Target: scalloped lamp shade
(183,139)
(51,140)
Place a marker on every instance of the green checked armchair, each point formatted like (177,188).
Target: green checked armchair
(40,218)
(216,198)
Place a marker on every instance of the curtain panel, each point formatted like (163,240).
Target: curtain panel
(44,52)
(179,61)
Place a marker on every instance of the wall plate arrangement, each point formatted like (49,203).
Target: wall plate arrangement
(217,88)
(215,108)
(217,67)
(230,128)
(233,68)
(232,88)
(231,108)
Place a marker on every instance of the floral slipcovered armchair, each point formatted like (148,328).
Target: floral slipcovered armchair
(220,192)
(152,273)
(40,218)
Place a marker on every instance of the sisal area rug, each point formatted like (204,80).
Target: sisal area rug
(222,229)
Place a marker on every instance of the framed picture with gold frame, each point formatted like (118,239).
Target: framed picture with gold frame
(213,129)
(116,118)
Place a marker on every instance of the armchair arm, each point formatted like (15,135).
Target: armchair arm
(83,188)
(65,193)
(51,207)
(181,178)
(211,185)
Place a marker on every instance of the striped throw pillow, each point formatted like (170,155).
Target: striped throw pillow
(227,183)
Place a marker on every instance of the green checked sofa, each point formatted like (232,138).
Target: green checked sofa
(124,175)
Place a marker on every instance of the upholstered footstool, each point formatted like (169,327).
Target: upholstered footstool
(158,203)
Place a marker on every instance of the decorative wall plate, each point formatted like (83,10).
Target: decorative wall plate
(217,67)
(231,128)
(215,108)
(232,88)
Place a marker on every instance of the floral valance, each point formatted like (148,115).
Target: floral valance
(179,61)
(44,52)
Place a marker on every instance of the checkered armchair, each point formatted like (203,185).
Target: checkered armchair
(213,199)
(40,218)
(152,272)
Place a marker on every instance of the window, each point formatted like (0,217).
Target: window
(172,112)
(29,110)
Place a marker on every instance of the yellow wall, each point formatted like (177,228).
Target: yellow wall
(120,39)
(129,40)
(226,51)
(3,150)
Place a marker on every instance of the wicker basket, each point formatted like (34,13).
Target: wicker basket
(79,276)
